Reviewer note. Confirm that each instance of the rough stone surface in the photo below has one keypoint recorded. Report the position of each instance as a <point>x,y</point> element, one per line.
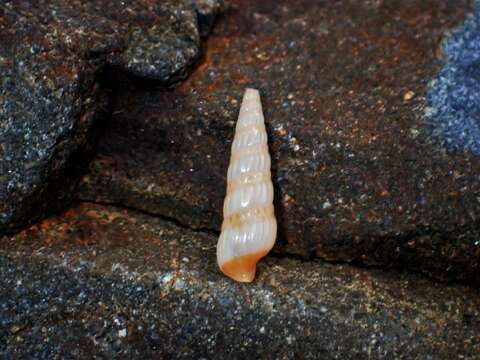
<point>454,95</point>
<point>51,57</point>
<point>104,282</point>
<point>358,176</point>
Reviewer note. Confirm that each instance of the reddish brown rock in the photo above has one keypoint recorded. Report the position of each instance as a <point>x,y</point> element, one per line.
<point>343,87</point>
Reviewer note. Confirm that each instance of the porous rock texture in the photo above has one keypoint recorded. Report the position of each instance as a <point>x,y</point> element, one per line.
<point>52,57</point>
<point>105,282</point>
<point>454,94</point>
<point>358,175</point>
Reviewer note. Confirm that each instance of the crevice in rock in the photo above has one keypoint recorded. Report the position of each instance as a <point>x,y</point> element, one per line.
<point>168,219</point>
<point>57,63</point>
<point>356,263</point>
<point>379,199</point>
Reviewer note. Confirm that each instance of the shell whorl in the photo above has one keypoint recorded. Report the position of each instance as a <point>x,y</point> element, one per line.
<point>249,227</point>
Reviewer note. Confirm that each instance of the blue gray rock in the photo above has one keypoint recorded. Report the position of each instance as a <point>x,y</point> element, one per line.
<point>454,95</point>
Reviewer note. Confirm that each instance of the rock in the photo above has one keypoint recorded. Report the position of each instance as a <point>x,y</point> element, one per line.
<point>165,49</point>
<point>49,101</point>
<point>151,160</point>
<point>52,92</point>
<point>207,11</point>
<point>454,94</point>
<point>359,176</point>
<point>105,282</point>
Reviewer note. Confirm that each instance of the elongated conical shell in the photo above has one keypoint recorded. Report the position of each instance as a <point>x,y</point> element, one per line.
<point>249,227</point>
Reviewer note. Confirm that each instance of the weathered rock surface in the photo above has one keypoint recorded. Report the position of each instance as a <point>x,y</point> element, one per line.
<point>102,281</point>
<point>358,175</point>
<point>51,54</point>
<point>454,95</point>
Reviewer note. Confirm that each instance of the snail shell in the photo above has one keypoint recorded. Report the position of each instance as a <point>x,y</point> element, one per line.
<point>249,227</point>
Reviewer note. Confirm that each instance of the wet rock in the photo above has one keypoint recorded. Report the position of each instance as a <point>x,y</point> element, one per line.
<point>358,175</point>
<point>52,57</point>
<point>105,282</point>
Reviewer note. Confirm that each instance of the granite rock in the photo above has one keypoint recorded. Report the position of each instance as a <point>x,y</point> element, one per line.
<point>358,175</point>
<point>105,282</point>
<point>53,92</point>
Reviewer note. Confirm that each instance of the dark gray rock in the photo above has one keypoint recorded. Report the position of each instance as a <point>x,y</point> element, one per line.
<point>207,11</point>
<point>49,100</point>
<point>164,51</point>
<point>52,57</point>
<point>105,282</point>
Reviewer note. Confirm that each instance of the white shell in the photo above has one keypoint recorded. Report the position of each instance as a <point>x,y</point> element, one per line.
<point>249,227</point>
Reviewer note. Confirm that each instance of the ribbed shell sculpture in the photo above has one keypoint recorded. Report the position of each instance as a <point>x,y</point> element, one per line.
<point>249,227</point>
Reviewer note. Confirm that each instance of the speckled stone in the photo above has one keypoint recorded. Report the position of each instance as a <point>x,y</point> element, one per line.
<point>52,90</point>
<point>105,282</point>
<point>358,176</point>
<point>454,95</point>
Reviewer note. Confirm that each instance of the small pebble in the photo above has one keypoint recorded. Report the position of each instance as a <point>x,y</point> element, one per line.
<point>409,95</point>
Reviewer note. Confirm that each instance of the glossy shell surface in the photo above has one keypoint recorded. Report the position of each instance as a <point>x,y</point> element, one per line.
<point>249,227</point>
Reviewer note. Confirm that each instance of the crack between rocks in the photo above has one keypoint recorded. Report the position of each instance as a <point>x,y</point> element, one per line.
<point>166,218</point>
<point>357,264</point>
<point>281,256</point>
<point>207,231</point>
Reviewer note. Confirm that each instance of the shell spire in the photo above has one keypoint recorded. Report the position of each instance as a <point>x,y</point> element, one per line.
<point>249,227</point>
